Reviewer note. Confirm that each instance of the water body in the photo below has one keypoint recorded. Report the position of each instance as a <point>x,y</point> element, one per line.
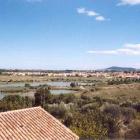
<point>18,84</point>
<point>31,94</point>
<point>62,91</point>
<point>1,95</point>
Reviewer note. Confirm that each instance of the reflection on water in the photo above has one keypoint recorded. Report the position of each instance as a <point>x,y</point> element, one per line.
<point>18,84</point>
<point>62,91</point>
<point>1,96</point>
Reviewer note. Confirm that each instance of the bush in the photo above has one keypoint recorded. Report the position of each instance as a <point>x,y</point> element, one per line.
<point>13,102</point>
<point>136,106</point>
<point>129,114</point>
<point>88,126</point>
<point>27,85</point>
<point>134,131</point>
<point>58,110</point>
<point>113,110</point>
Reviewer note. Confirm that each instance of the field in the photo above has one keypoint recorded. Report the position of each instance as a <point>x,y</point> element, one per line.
<point>119,92</point>
<point>15,78</point>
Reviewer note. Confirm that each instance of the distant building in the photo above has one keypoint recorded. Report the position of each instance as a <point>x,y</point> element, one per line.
<point>32,124</point>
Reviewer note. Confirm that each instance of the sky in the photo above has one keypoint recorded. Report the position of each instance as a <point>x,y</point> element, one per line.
<point>69,34</point>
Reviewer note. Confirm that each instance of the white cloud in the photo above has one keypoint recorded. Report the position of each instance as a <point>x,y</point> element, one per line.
<point>81,10</point>
<point>100,18</point>
<point>103,52</point>
<point>127,49</point>
<point>91,13</point>
<point>133,46</point>
<point>87,12</point>
<point>129,2</point>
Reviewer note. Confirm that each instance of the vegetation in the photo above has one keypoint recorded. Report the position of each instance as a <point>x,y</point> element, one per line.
<point>98,111</point>
<point>118,81</point>
<point>13,102</point>
<point>73,84</point>
<point>90,117</point>
<point>42,96</point>
<point>27,85</point>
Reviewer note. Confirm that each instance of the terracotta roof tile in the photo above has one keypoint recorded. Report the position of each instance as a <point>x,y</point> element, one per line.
<point>32,124</point>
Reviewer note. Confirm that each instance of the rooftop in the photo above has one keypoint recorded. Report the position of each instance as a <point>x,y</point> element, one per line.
<point>32,124</point>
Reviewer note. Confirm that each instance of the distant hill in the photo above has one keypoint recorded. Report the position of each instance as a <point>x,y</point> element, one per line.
<point>119,69</point>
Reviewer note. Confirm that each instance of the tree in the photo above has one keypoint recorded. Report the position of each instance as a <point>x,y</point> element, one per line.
<point>42,96</point>
<point>73,85</point>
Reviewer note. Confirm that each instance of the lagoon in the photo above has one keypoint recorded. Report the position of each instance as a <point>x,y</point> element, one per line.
<point>22,84</point>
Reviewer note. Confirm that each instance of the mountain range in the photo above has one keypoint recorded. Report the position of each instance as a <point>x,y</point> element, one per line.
<point>119,69</point>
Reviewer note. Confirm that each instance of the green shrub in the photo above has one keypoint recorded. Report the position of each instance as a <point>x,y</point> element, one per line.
<point>13,102</point>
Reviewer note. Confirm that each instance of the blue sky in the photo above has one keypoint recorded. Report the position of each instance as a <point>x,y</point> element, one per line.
<point>69,34</point>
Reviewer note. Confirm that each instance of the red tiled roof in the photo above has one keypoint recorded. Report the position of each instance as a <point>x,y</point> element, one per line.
<point>32,124</point>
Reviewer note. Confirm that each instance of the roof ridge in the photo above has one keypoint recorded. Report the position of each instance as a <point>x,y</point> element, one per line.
<point>19,110</point>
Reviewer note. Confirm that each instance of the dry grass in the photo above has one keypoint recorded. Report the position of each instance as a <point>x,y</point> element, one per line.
<point>120,92</point>
<point>6,78</point>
